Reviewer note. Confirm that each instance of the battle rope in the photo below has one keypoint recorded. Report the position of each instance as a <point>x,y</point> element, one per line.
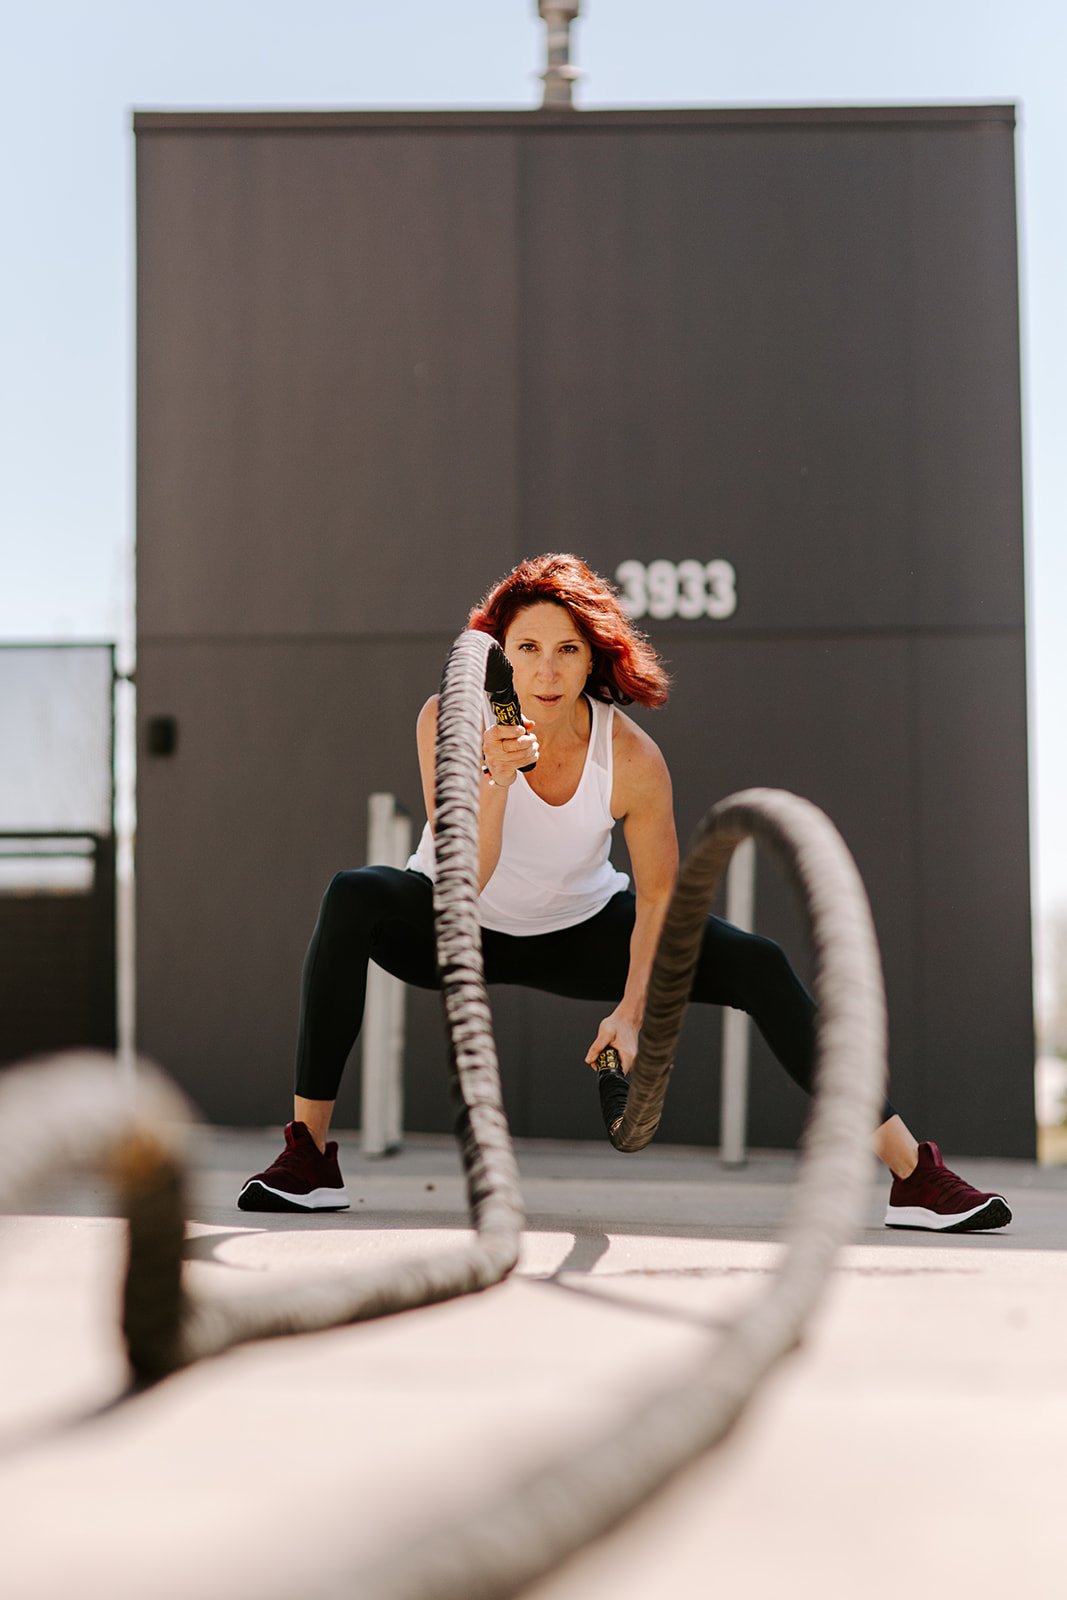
<point>528,1531</point>
<point>494,1200</point>
<point>823,874</point>
<point>137,1135</point>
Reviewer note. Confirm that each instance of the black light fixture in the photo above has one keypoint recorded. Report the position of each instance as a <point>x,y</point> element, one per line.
<point>161,736</point>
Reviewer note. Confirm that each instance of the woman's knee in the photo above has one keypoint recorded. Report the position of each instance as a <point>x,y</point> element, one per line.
<point>768,959</point>
<point>746,969</point>
<point>353,896</point>
<point>771,985</point>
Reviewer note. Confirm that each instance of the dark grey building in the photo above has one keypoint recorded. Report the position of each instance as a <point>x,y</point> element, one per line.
<point>763,366</point>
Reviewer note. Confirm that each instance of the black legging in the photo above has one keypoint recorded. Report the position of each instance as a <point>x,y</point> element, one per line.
<point>386,915</point>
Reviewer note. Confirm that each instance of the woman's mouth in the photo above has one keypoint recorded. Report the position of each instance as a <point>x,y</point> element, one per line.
<point>549,699</point>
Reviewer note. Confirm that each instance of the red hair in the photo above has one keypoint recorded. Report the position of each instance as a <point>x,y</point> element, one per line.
<point>626,667</point>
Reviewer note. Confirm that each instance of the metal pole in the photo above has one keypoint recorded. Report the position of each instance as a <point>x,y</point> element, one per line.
<point>733,1118</point>
<point>382,1111</point>
<point>559,76</point>
<point>124,721</point>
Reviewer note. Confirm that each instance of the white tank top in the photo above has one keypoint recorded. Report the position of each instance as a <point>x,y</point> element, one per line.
<point>554,868</point>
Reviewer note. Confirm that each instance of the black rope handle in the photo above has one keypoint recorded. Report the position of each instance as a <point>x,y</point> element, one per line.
<point>500,687</point>
<point>612,1087</point>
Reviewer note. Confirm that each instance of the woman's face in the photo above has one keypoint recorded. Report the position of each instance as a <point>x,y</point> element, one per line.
<point>549,659</point>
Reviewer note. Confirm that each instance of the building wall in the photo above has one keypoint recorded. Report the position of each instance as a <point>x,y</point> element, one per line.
<point>381,357</point>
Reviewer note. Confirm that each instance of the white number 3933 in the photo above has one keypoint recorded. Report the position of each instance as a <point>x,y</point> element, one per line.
<point>687,589</point>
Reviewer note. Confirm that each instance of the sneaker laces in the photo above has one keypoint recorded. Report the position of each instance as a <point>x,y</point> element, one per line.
<point>296,1155</point>
<point>950,1184</point>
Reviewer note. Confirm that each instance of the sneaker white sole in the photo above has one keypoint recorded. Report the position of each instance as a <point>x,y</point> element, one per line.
<point>992,1213</point>
<point>259,1196</point>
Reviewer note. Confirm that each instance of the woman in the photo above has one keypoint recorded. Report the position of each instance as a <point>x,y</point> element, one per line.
<point>555,914</point>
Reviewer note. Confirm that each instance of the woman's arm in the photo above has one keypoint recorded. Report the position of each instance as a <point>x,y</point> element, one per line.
<point>505,752</point>
<point>642,797</point>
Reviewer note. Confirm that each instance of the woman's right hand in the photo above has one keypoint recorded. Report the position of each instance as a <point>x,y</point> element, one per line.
<point>505,749</point>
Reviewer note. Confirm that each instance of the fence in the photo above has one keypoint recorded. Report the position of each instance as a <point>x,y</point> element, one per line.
<point>57,848</point>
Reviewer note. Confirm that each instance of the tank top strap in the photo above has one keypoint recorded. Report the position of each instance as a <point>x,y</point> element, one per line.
<point>603,723</point>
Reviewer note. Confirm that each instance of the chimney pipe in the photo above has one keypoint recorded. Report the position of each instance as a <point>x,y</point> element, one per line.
<point>559,76</point>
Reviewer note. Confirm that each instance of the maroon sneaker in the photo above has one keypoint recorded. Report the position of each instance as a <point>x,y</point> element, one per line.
<point>935,1198</point>
<point>302,1178</point>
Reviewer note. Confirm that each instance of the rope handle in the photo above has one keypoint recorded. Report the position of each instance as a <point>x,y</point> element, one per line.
<point>614,1087</point>
<point>500,687</point>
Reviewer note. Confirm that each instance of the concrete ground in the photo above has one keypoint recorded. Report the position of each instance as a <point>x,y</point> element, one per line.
<point>918,1438</point>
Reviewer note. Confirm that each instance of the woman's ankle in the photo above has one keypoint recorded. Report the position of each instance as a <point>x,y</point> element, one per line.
<point>315,1115</point>
<point>895,1145</point>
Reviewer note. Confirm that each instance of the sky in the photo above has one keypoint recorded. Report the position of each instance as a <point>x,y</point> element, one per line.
<point>74,70</point>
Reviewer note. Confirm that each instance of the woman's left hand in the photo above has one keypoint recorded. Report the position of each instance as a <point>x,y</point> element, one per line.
<point>619,1031</point>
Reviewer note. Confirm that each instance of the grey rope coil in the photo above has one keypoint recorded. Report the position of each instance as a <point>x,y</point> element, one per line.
<point>137,1133</point>
<point>550,1515</point>
<point>794,831</point>
<point>485,1140</point>
<point>495,1204</point>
